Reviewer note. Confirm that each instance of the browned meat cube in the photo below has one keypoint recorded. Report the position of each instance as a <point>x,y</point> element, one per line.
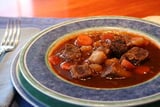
<point>114,68</point>
<point>109,62</point>
<point>102,46</point>
<point>120,71</point>
<point>80,71</point>
<point>71,53</point>
<point>96,68</point>
<point>136,55</point>
<point>118,46</point>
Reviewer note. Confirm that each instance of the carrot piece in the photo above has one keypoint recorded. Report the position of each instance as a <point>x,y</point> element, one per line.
<point>128,65</point>
<point>66,65</point>
<point>84,40</point>
<point>142,69</point>
<point>54,60</point>
<point>107,36</point>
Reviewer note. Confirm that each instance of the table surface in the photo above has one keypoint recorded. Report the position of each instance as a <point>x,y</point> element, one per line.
<point>78,8</point>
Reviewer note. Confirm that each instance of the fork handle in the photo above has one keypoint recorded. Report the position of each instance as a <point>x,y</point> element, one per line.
<point>2,52</point>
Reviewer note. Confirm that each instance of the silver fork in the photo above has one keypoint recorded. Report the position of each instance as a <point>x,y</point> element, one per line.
<point>11,36</point>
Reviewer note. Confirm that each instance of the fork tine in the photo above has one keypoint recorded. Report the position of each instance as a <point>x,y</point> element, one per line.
<point>12,33</point>
<point>15,33</point>
<point>11,37</point>
<point>3,42</point>
<point>18,22</point>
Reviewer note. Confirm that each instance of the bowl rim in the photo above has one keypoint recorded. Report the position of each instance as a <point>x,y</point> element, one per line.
<point>59,96</point>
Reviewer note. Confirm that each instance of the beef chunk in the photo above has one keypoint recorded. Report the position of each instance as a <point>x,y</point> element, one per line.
<point>115,69</point>
<point>96,68</point>
<point>111,61</point>
<point>109,68</point>
<point>118,46</point>
<point>80,71</point>
<point>71,53</point>
<point>136,55</point>
<point>102,46</point>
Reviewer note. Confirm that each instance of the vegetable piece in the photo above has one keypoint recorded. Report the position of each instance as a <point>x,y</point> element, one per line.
<point>84,40</point>
<point>142,69</point>
<point>127,64</point>
<point>139,41</point>
<point>66,65</point>
<point>97,57</point>
<point>54,60</point>
<point>107,36</point>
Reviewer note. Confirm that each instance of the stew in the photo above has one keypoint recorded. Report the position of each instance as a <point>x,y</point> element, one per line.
<point>107,58</point>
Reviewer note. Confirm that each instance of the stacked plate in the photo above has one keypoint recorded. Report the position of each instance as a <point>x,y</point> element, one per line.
<point>35,82</point>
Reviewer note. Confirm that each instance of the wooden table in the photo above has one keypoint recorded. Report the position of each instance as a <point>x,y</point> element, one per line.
<point>78,8</point>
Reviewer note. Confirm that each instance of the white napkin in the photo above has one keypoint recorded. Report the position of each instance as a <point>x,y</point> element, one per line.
<point>155,19</point>
<point>6,87</point>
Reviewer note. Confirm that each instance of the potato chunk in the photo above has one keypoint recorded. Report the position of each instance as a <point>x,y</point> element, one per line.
<point>97,57</point>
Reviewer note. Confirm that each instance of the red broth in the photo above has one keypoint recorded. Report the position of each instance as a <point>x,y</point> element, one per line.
<point>111,80</point>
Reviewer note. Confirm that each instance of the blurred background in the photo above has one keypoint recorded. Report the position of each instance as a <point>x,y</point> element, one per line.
<point>78,8</point>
